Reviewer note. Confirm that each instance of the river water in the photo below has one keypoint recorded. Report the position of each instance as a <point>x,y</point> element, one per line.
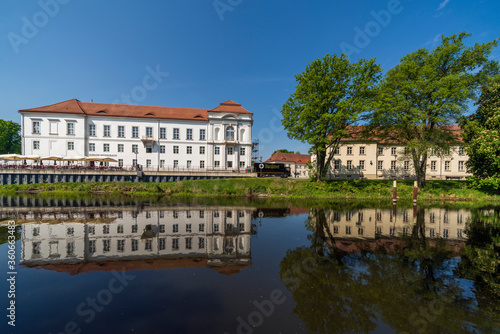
<point>140,266</point>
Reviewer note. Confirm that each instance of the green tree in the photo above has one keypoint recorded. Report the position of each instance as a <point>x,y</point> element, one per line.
<point>330,95</point>
<point>10,137</point>
<point>428,91</point>
<point>482,138</point>
<point>283,151</point>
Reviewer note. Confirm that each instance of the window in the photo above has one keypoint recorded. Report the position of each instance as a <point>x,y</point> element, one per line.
<point>189,164</point>
<point>216,228</point>
<point>162,148</point>
<point>149,148</point>
<point>216,214</point>
<point>162,163</point>
<point>406,165</point>
<point>121,245</point>
<point>202,134</point>
<point>336,151</point>
<point>121,131</point>
<point>380,165</point>
<point>162,244</point>
<point>36,127</point>
<point>229,164</point>
<point>349,164</point>
<point>337,165</point>
<point>135,245</point>
<point>189,134</point>
<point>460,165</point>
<point>92,130</point>
<point>202,163</point>
<point>393,151</point>
<point>106,147</point>
<point>135,148</point>
<point>229,133</point>
<point>121,148</point>
<point>461,150</point>
<point>36,144</point>
<point>148,163</point>
<point>175,228</point>
<point>349,150</point>
<point>242,151</point>
<point>134,162</point>
<point>433,165</point>
<point>362,150</point>
<point>70,248</point>
<point>176,133</point>
<point>242,164</point>
<point>120,162</point>
<point>119,229</point>
<point>163,133</point>
<point>202,214</point>
<point>176,149</point>
<point>107,131</point>
<point>175,244</point>
<point>70,128</point>
<point>361,164</point>
<point>70,231</point>
<point>217,150</point>
<point>217,164</point>
<point>135,132</point>
<point>201,243</point>
<point>91,246</point>
<point>347,230</point>
<point>91,147</point>
<point>380,151</point>
<point>149,131</point>
<point>91,229</point>
<point>189,228</point>
<point>188,243</point>
<point>135,228</point>
<point>71,146</point>
<point>433,151</point>
<point>201,227</point>
<point>189,150</point>
<point>393,165</point>
<point>447,166</point>
<point>229,151</point>
<point>202,149</point>
<point>176,163</point>
<point>105,229</point>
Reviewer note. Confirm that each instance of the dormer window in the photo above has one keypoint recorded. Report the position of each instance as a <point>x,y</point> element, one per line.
<point>229,133</point>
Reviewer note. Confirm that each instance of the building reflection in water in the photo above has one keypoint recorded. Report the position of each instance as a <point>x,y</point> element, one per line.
<point>173,237</point>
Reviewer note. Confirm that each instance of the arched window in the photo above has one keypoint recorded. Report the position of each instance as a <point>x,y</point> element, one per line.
<point>230,133</point>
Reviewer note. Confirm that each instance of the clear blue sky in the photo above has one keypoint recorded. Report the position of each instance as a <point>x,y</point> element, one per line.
<point>246,50</point>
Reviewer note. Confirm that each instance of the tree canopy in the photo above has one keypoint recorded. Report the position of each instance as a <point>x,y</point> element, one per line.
<point>330,95</point>
<point>10,137</point>
<point>482,138</point>
<point>428,91</point>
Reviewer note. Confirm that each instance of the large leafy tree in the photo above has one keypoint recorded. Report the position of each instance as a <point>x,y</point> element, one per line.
<point>482,138</point>
<point>330,95</point>
<point>427,92</point>
<point>10,137</point>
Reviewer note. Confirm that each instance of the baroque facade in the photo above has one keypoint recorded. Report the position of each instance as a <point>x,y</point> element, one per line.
<point>158,138</point>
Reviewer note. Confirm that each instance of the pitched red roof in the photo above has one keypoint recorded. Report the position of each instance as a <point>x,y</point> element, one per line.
<point>232,107</point>
<point>356,134</point>
<point>289,157</point>
<point>77,107</point>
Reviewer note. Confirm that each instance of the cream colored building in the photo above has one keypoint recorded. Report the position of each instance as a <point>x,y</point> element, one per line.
<point>376,159</point>
<point>296,162</point>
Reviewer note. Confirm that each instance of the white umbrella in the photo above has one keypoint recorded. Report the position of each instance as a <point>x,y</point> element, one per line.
<point>34,157</point>
<point>53,157</point>
<point>77,158</point>
<point>101,159</point>
<point>14,157</point>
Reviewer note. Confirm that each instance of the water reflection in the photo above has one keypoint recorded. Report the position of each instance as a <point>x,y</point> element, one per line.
<point>126,240</point>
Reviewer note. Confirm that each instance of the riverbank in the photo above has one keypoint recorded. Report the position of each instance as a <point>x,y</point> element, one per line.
<point>269,188</point>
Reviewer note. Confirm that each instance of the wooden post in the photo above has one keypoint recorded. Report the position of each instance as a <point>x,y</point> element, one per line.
<point>415,192</point>
<point>394,192</point>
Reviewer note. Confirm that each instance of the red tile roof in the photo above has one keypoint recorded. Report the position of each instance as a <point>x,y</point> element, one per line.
<point>356,134</point>
<point>289,157</point>
<point>126,110</point>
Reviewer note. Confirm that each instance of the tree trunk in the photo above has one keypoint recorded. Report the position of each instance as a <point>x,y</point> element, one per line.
<point>420,164</point>
<point>320,164</point>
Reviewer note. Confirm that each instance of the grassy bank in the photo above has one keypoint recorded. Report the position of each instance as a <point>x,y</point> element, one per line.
<point>269,188</point>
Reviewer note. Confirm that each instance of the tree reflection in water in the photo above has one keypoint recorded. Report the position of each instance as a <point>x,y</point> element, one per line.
<point>411,288</point>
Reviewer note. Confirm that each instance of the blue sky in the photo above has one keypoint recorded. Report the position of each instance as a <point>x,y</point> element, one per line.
<point>206,52</point>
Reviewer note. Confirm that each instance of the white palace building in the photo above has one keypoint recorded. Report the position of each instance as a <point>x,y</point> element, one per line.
<point>157,138</point>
